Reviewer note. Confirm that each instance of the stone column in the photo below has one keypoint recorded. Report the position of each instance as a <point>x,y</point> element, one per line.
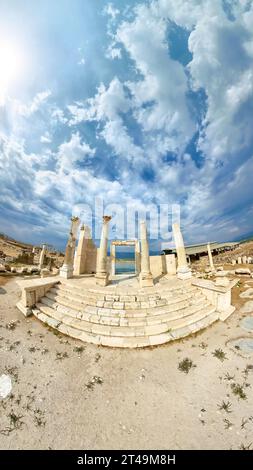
<point>81,252</point>
<point>67,269</point>
<point>183,270</point>
<point>137,257</point>
<point>42,256</point>
<point>146,278</point>
<point>113,260</point>
<point>102,274</point>
<point>210,256</point>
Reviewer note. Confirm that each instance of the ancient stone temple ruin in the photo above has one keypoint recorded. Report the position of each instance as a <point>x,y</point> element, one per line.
<point>160,302</point>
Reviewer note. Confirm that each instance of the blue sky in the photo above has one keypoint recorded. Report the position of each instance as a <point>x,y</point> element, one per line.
<point>135,102</point>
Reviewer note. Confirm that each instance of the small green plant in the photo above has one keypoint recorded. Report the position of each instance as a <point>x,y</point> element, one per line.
<point>97,357</point>
<point>39,417</point>
<point>186,365</point>
<point>228,423</point>
<point>11,325</point>
<point>238,391</point>
<point>15,421</point>
<point>244,422</point>
<point>228,377</point>
<point>79,349</point>
<point>44,351</point>
<point>95,380</point>
<point>203,345</point>
<point>248,368</point>
<point>219,354</point>
<point>226,406</point>
<point>60,355</point>
<point>245,446</point>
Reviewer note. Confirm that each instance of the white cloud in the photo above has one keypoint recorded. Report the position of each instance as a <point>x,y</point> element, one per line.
<point>38,101</point>
<point>111,11</point>
<point>113,52</point>
<point>73,152</point>
<point>46,138</point>
<point>160,97</point>
<point>107,107</point>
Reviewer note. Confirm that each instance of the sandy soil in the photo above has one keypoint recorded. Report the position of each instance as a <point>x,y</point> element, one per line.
<point>67,394</point>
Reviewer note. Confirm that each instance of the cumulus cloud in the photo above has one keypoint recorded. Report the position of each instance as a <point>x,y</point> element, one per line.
<point>73,152</point>
<point>38,101</point>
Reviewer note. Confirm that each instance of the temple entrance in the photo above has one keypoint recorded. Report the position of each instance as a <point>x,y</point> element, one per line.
<point>126,260</point>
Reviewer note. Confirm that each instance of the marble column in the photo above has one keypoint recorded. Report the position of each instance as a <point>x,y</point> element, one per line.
<point>137,258</point>
<point>67,269</point>
<point>113,260</point>
<point>210,257</point>
<point>42,256</point>
<point>81,252</point>
<point>146,278</point>
<point>102,275</point>
<point>183,270</point>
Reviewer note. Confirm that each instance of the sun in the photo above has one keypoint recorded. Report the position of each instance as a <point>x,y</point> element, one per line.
<point>11,66</point>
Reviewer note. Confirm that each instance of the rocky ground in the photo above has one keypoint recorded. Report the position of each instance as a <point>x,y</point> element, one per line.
<point>224,259</point>
<point>191,394</point>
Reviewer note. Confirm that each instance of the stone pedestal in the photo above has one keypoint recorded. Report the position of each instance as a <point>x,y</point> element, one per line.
<point>183,270</point>
<point>67,269</point>
<point>171,269</point>
<point>145,277</point>
<point>218,295</point>
<point>102,275</point>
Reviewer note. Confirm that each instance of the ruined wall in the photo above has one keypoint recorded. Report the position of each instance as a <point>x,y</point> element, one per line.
<point>158,265</point>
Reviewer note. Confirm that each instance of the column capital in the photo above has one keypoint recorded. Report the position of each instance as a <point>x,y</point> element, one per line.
<point>106,219</point>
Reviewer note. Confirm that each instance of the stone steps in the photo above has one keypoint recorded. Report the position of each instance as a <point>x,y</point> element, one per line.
<point>151,294</point>
<point>150,337</point>
<point>152,317</point>
<point>122,319</point>
<point>177,304</point>
<point>125,330</point>
<point>81,301</point>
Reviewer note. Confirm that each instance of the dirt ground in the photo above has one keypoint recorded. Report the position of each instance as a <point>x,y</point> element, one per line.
<point>71,395</point>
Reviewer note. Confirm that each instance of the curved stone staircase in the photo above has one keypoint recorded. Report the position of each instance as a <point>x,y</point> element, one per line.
<point>130,319</point>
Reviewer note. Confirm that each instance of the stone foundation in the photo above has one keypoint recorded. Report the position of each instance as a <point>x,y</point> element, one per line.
<point>32,291</point>
<point>218,295</point>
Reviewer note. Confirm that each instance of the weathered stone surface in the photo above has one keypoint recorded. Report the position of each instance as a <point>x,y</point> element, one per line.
<point>5,386</point>
<point>247,307</point>
<point>247,323</point>
<point>248,294</point>
<point>243,345</point>
<point>243,271</point>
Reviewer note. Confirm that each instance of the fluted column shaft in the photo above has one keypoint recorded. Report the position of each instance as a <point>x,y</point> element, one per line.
<point>145,261</point>
<point>183,270</point>
<point>42,256</point>
<point>210,256</point>
<point>146,278</point>
<point>68,265</point>
<point>102,275</point>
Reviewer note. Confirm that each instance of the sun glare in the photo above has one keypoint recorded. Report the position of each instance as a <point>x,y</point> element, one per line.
<point>11,66</point>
